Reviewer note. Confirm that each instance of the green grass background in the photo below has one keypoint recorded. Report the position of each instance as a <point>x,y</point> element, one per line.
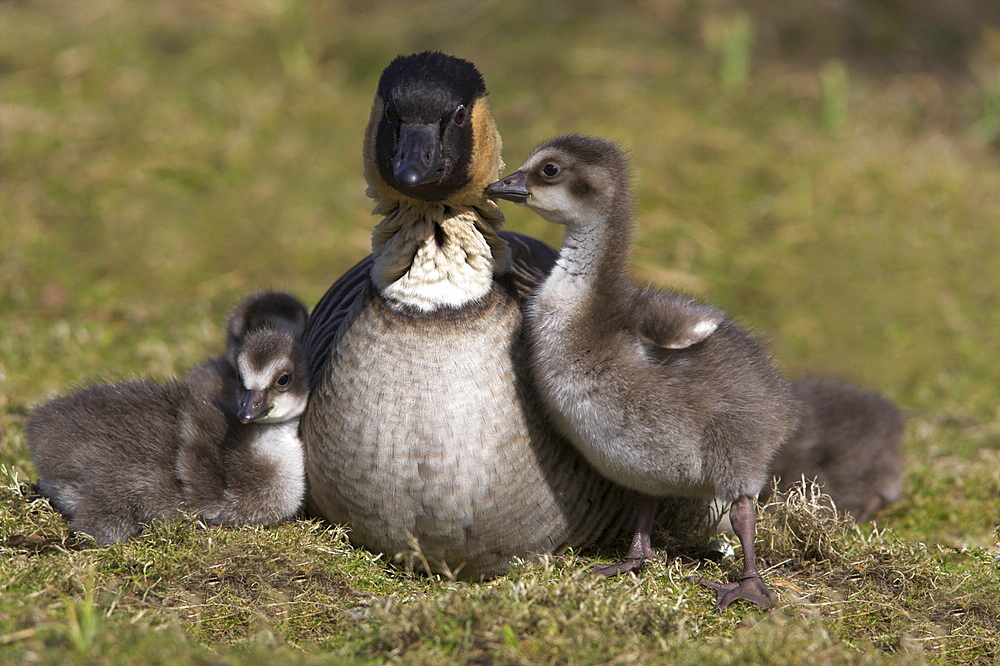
<point>827,172</point>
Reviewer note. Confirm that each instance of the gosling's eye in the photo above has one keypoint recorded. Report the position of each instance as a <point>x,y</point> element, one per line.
<point>461,113</point>
<point>550,170</point>
<point>283,380</point>
<point>391,113</point>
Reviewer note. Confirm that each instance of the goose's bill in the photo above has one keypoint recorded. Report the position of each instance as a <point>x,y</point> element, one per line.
<point>512,188</point>
<point>253,405</point>
<point>418,158</point>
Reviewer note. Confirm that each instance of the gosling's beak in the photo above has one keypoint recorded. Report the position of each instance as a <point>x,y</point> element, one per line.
<point>253,405</point>
<point>418,158</point>
<point>512,188</point>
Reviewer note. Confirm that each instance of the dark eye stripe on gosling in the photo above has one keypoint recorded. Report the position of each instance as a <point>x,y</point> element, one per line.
<point>661,394</point>
<point>421,425</point>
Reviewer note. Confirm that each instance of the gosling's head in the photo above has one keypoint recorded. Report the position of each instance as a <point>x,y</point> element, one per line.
<point>571,180</point>
<point>265,309</point>
<point>431,136</point>
<point>274,377</point>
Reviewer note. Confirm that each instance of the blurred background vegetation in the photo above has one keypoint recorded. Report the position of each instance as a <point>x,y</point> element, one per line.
<point>827,171</point>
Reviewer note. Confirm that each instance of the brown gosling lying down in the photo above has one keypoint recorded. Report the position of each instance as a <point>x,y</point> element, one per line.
<point>660,394</point>
<point>115,457</point>
<point>849,441</point>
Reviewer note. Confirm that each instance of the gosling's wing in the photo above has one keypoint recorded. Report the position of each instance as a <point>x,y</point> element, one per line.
<point>330,313</point>
<point>674,321</point>
<point>531,261</point>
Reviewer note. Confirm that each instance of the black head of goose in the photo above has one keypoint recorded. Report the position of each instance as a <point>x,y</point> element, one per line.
<point>115,457</point>
<point>422,430</point>
<point>661,394</point>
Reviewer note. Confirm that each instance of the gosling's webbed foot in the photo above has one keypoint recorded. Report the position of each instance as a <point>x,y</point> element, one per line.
<point>641,549</point>
<point>626,565</point>
<point>743,515</point>
<point>751,588</point>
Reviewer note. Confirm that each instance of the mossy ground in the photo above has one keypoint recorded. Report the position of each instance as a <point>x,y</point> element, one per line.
<point>828,174</point>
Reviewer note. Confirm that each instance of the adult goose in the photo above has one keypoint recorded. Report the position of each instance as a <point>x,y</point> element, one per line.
<point>423,433</point>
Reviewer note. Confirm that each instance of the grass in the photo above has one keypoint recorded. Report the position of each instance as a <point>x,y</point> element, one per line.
<point>834,183</point>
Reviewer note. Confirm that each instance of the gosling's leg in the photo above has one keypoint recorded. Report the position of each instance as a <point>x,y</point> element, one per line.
<point>751,586</point>
<point>641,548</point>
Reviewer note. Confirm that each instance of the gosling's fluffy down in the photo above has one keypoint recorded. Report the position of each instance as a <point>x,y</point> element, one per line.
<point>661,394</point>
<point>849,441</point>
<point>116,457</point>
<point>275,310</point>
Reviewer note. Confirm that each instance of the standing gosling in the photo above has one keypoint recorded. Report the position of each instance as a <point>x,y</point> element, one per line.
<point>661,394</point>
<point>113,458</point>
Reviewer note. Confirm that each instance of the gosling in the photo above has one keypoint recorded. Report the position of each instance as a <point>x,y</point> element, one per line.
<point>849,441</point>
<point>661,394</point>
<point>114,458</point>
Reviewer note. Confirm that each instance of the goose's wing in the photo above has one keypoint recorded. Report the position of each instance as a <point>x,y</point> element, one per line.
<point>328,315</point>
<point>531,261</point>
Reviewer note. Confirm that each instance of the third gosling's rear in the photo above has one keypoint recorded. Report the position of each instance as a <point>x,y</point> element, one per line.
<point>849,441</point>
<point>661,394</point>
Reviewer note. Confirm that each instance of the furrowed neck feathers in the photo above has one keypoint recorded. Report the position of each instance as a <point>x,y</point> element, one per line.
<point>596,249</point>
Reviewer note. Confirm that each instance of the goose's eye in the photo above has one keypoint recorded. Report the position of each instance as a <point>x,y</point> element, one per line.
<point>283,380</point>
<point>391,113</point>
<point>460,114</point>
<point>550,170</point>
